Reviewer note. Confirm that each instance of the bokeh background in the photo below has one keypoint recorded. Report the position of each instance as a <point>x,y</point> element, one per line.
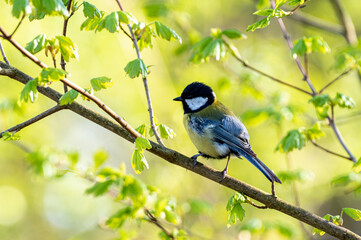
<point>55,209</point>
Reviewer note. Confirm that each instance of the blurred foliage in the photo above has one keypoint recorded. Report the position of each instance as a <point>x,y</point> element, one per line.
<point>276,117</point>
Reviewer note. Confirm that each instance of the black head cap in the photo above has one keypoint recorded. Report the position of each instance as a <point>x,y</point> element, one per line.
<point>193,91</point>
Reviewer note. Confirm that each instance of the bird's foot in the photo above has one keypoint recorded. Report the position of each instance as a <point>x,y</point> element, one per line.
<point>224,173</point>
<point>194,158</point>
<point>273,189</point>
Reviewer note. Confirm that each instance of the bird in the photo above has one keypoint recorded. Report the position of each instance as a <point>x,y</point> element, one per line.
<point>215,130</point>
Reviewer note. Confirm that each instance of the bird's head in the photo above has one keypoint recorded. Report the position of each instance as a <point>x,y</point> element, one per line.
<point>195,97</point>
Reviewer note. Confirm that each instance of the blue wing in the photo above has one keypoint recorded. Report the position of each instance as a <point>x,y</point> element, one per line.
<point>232,132</point>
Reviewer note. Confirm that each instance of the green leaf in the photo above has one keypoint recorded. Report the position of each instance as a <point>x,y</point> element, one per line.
<point>90,10</point>
<point>125,17</point>
<point>294,139</point>
<point>49,75</point>
<point>166,33</point>
<point>319,45</point>
<point>68,48</point>
<point>296,175</point>
<point>142,129</point>
<point>8,136</point>
<point>99,83</point>
<point>20,6</point>
<point>138,161</point>
<point>318,232</point>
<point>118,219</point>
<point>320,100</point>
<point>142,143</point>
<point>343,101</point>
<point>346,179</point>
<point>133,189</point>
<point>357,166</point>
<point>37,44</point>
<point>166,132</point>
<point>264,12</point>
<point>300,47</point>
<point>99,188</point>
<point>110,23</point>
<point>68,97</point>
<point>51,7</point>
<point>30,91</point>
<point>99,158</point>
<point>309,45</point>
<point>235,209</point>
<point>233,34</point>
<point>156,9</point>
<point>314,133</point>
<point>136,67</point>
<point>91,24</point>
<point>355,214</point>
<point>260,24</point>
<point>296,2</point>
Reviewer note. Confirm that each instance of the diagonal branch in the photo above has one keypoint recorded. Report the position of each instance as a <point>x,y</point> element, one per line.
<point>179,159</point>
<point>34,119</point>
<point>329,151</point>
<point>17,27</point>
<point>93,98</point>
<point>145,83</point>
<point>334,80</point>
<point>155,221</point>
<point>3,54</point>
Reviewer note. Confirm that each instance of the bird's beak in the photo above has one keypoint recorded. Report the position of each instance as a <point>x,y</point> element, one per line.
<point>177,99</point>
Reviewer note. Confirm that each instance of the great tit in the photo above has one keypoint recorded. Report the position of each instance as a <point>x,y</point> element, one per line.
<point>215,130</point>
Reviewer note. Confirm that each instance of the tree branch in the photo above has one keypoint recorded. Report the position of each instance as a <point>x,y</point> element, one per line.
<point>246,65</point>
<point>34,119</point>
<point>345,18</point>
<point>3,54</point>
<point>93,98</point>
<point>179,159</point>
<point>329,151</point>
<point>155,221</point>
<point>334,80</point>
<point>317,22</point>
<point>145,83</point>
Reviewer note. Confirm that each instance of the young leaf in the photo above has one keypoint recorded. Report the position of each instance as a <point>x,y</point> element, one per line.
<point>233,33</point>
<point>319,45</point>
<point>48,75</point>
<point>314,133</point>
<point>51,7</point>
<point>166,132</point>
<point>37,44</point>
<point>320,100</point>
<point>101,83</point>
<point>300,47</point>
<point>91,24</point>
<point>30,91</point>
<point>296,2</point>
<point>355,214</point>
<point>99,188</point>
<point>68,48</point>
<point>142,129</point>
<point>357,166</point>
<point>296,175</point>
<point>294,139</point>
<point>235,209</point>
<point>8,136</point>
<point>68,97</point>
<point>20,6</point>
<point>260,24</point>
<point>90,10</point>
<point>343,101</point>
<point>142,143</point>
<point>138,161</point>
<point>110,22</point>
<point>165,32</point>
<point>99,158</point>
<point>136,67</point>
<point>309,45</point>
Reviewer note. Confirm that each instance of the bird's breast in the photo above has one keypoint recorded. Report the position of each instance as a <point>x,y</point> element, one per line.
<point>200,133</point>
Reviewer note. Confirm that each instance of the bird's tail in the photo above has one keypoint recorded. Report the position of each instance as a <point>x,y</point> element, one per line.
<point>262,167</point>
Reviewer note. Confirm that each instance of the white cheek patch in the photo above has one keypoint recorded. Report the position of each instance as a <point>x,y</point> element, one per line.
<point>196,103</point>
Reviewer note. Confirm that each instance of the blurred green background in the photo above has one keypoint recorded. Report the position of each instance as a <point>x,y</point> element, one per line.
<point>34,208</point>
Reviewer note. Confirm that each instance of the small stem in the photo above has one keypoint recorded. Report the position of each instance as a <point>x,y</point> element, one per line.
<point>54,60</point>
<point>329,151</point>
<point>340,139</point>
<point>34,119</point>
<point>125,32</point>
<point>255,205</point>
<point>155,221</point>
<point>3,54</point>
<point>145,83</point>
<point>334,80</point>
<point>21,20</point>
<point>306,63</point>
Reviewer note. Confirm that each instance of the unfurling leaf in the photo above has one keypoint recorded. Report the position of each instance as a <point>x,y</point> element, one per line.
<point>8,136</point>
<point>260,24</point>
<point>166,132</point>
<point>90,10</point>
<point>37,44</point>
<point>294,139</point>
<point>138,161</point>
<point>233,34</point>
<point>142,129</point>
<point>355,214</point>
<point>309,45</point>
<point>142,143</point>
<point>235,209</point>
<point>48,75</point>
<point>68,49</point>
<point>68,97</point>
<point>320,100</point>
<point>30,91</point>
<point>344,101</point>
<point>101,83</point>
<point>136,67</point>
<point>20,6</point>
<point>110,22</point>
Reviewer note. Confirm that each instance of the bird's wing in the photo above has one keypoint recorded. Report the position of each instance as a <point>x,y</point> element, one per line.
<point>233,133</point>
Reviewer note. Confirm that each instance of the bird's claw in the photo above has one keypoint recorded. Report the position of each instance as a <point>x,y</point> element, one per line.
<point>194,158</point>
<point>224,173</point>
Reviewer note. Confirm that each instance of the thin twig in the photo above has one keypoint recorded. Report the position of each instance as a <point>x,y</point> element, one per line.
<point>65,27</point>
<point>145,83</point>
<point>54,60</point>
<point>155,221</point>
<point>255,205</point>
<point>3,54</point>
<point>17,27</point>
<point>329,151</point>
<point>334,80</point>
<point>93,98</point>
<point>345,18</point>
<point>33,120</point>
<point>317,22</point>
<point>125,32</point>
<point>246,65</point>
<point>179,159</point>
<point>295,57</point>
